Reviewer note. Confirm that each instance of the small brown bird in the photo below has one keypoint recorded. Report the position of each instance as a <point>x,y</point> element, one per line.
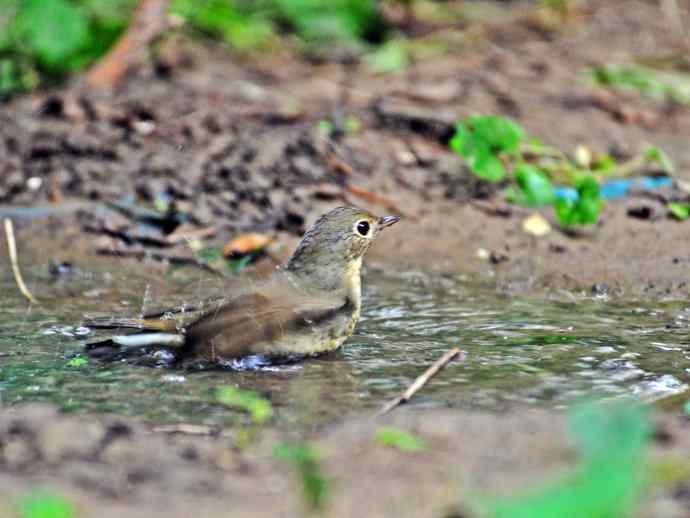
<point>309,306</point>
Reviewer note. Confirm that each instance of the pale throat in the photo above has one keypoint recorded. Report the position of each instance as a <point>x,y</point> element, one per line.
<point>353,282</point>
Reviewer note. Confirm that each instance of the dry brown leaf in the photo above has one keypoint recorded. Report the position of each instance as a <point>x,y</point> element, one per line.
<point>245,244</point>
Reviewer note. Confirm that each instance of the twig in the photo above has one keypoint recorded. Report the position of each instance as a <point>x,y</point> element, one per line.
<point>192,429</point>
<point>421,381</point>
<point>12,248</point>
<point>148,22</point>
<point>375,199</point>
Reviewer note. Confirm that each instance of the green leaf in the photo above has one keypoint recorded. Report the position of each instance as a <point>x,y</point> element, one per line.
<point>352,125</point>
<point>660,85</point>
<point>210,255</point>
<point>339,20</point>
<point>259,408</point>
<point>686,408</point>
<point>584,211</point>
<point>77,361</point>
<point>46,506</point>
<point>400,439</point>
<point>242,29</point>
<point>390,57</point>
<point>481,141</point>
<point>53,29</point>
<point>654,154</point>
<point>604,164</point>
<point>487,167</point>
<point>536,187</point>
<point>499,133</point>
<point>610,479</point>
<point>680,211</point>
<point>315,485</point>
<point>237,265</point>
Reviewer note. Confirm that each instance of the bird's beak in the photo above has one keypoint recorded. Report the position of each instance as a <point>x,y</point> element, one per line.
<point>387,221</point>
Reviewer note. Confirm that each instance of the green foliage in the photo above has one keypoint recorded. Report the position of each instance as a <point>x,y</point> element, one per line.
<point>52,38</point>
<point>330,20</point>
<point>46,506</point>
<point>647,81</point>
<point>213,256</point>
<point>536,188</point>
<point>234,22</point>
<point>609,481</point>
<point>680,211</point>
<point>389,57</point>
<point>259,408</point>
<point>77,361</point>
<point>586,209</point>
<point>52,30</point>
<point>399,439</point>
<point>497,149</point>
<point>16,76</point>
<point>482,140</point>
<point>248,24</point>
<point>654,154</point>
<point>315,486</point>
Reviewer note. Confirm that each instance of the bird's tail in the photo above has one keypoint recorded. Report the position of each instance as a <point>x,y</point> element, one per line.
<point>148,333</point>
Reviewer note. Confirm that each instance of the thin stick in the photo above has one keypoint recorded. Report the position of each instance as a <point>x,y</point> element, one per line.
<point>192,429</point>
<point>421,381</point>
<point>12,248</point>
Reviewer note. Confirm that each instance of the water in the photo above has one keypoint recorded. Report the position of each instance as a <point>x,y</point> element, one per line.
<point>520,350</point>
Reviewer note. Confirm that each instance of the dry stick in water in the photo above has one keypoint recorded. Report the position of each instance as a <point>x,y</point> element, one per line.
<point>421,381</point>
<point>12,248</point>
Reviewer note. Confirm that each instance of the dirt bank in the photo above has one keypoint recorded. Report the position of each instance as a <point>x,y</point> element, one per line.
<point>230,146</point>
<point>111,465</point>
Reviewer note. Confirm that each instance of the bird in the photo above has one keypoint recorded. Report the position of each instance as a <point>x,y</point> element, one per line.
<point>308,307</point>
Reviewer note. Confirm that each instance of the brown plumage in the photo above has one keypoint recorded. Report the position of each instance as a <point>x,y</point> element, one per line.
<point>308,307</point>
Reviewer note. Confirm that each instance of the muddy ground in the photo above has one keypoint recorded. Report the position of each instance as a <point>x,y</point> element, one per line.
<point>233,145</point>
<point>114,466</point>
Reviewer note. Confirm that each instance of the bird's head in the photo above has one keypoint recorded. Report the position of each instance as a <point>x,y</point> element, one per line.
<point>335,245</point>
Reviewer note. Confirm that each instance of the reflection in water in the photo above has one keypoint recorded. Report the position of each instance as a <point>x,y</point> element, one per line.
<point>520,350</point>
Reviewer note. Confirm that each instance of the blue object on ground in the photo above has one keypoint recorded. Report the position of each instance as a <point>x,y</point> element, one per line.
<point>618,188</point>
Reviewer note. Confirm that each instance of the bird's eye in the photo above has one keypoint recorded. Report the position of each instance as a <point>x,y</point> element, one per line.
<point>363,228</point>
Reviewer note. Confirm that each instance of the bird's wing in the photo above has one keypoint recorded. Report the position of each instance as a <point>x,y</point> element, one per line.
<point>168,320</point>
<point>262,315</point>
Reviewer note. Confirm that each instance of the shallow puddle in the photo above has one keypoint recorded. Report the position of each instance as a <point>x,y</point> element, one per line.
<point>520,350</point>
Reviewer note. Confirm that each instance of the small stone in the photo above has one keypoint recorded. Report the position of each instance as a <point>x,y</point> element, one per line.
<point>536,225</point>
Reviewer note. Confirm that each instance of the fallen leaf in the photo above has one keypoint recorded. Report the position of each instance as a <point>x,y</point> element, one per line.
<point>245,244</point>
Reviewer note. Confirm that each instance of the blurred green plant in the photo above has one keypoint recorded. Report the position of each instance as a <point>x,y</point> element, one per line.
<point>315,486</point>
<point>679,211</point>
<point>482,141</point>
<point>236,23</point>
<point>248,24</point>
<point>584,210</point>
<point>662,86</point>
<point>259,408</point>
<point>612,441</point>
<point>51,38</point>
<point>213,256</point>
<point>318,21</point>
<point>77,361</point>
<point>497,149</point>
<point>46,505</point>
<point>48,39</point>
<point>399,439</point>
